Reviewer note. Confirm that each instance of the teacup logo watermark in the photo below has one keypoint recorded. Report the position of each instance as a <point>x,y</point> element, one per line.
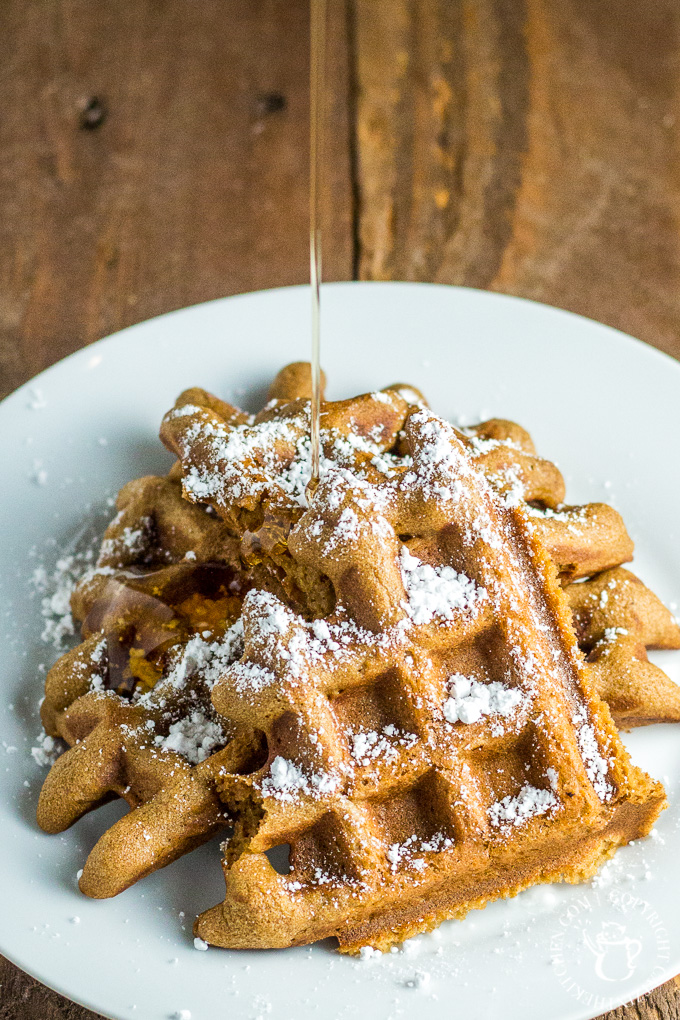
<point>615,952</point>
<point>604,939</point>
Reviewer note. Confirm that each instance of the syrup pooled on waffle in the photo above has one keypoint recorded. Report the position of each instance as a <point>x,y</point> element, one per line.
<point>434,742</point>
<point>254,471</point>
<point>161,620</point>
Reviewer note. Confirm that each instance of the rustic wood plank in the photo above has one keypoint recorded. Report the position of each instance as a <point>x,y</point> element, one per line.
<point>527,146</point>
<point>21,998</point>
<point>189,179</point>
<point>661,1004</point>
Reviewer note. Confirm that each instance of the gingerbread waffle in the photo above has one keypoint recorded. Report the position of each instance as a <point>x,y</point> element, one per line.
<point>617,619</point>
<point>153,529</point>
<point>433,744</point>
<point>253,472</point>
<point>139,620</point>
<point>160,619</point>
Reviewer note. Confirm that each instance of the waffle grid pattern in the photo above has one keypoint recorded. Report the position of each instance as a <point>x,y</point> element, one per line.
<point>382,849</point>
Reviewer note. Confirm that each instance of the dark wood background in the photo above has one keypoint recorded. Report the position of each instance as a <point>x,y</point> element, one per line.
<point>153,153</point>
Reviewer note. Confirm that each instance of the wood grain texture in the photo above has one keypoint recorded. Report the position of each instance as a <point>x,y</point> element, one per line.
<point>193,185</point>
<point>22,998</point>
<point>153,153</point>
<point>661,1004</point>
<point>526,146</point>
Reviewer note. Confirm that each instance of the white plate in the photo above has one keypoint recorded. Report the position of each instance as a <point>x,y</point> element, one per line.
<point>606,407</point>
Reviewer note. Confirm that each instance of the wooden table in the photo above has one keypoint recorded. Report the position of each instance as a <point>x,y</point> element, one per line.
<point>153,153</point>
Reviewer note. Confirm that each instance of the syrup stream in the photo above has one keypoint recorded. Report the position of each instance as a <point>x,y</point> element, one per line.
<point>316,137</point>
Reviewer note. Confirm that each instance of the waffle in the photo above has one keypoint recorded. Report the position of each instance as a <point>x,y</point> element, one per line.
<point>160,621</point>
<point>253,473</point>
<point>616,619</point>
<point>433,744</point>
<point>153,529</point>
<point>149,612</point>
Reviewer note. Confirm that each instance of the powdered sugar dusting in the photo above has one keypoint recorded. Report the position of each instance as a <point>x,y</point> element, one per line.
<point>286,780</point>
<point>203,655</point>
<point>406,853</point>
<point>596,765</point>
<point>530,802</point>
<point>369,745</point>
<point>272,457</point>
<point>195,737</point>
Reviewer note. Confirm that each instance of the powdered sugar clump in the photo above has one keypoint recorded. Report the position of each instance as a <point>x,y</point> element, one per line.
<point>286,780</point>
<point>46,750</point>
<point>470,700</point>
<point>437,591</point>
<point>368,953</point>
<point>195,737</point>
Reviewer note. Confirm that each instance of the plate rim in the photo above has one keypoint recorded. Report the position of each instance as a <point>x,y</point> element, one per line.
<point>331,286</point>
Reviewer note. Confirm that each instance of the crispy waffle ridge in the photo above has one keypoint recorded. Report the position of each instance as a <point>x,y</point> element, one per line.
<point>161,620</point>
<point>616,619</point>
<point>435,743</point>
<point>253,471</point>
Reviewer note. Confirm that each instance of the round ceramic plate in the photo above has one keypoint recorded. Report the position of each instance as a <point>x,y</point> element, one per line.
<point>604,406</point>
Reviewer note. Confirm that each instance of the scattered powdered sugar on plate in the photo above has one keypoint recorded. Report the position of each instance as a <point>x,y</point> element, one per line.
<point>38,474</point>
<point>56,588</point>
<point>36,399</point>
<point>57,572</point>
<point>53,579</point>
<point>420,980</point>
<point>47,750</point>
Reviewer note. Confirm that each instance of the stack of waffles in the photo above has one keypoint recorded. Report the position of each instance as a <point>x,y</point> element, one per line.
<point>410,674</point>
